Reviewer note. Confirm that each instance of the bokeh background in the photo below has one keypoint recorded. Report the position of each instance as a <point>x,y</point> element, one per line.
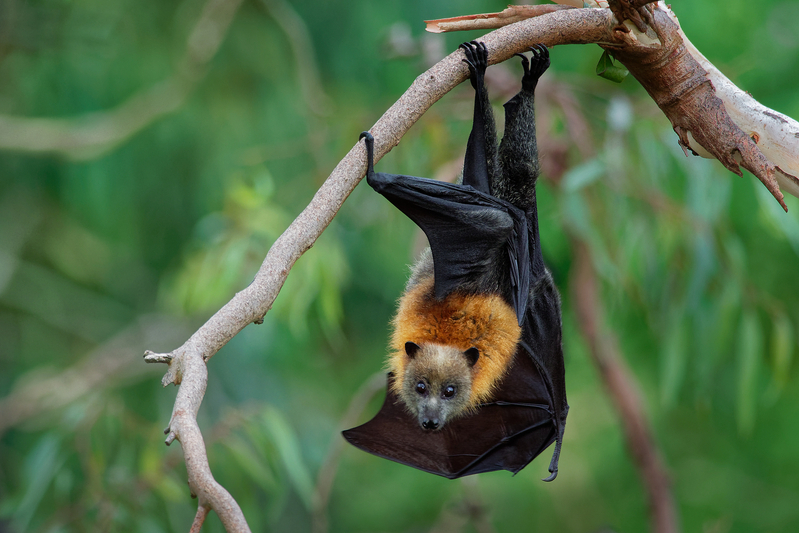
<point>151,152</point>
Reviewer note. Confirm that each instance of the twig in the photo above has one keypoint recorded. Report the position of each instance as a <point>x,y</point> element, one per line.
<point>490,21</point>
<point>327,474</point>
<point>105,366</point>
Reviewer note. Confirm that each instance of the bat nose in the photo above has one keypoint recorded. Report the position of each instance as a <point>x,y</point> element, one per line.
<point>429,423</point>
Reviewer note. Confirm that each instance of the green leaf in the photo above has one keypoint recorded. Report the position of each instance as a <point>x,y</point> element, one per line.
<point>674,357</point>
<point>749,347</point>
<point>288,448</point>
<point>608,69</point>
<point>582,175</point>
<point>782,342</point>
<point>40,467</point>
<point>252,463</point>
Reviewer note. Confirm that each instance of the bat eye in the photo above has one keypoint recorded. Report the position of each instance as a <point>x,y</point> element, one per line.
<point>421,388</point>
<point>449,391</point>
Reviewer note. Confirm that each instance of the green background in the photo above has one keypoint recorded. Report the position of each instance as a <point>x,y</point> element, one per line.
<point>132,247</point>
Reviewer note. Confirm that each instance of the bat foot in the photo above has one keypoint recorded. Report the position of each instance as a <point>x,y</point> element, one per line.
<point>370,153</point>
<point>535,67</point>
<point>477,59</point>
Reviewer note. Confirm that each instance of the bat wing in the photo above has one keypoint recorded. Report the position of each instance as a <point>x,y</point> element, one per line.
<point>505,434</point>
<point>467,230</point>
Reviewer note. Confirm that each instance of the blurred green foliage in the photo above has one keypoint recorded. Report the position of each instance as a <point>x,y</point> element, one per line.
<point>103,257</point>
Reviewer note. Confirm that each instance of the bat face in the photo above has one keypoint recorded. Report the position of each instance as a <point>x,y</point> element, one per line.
<point>437,383</point>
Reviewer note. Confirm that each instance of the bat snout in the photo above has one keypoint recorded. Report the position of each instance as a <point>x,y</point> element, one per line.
<point>430,424</point>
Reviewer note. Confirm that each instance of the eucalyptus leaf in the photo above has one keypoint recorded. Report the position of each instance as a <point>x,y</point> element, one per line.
<point>749,353</point>
<point>608,69</point>
<point>782,345</point>
<point>583,175</point>
<point>288,448</point>
<point>674,357</point>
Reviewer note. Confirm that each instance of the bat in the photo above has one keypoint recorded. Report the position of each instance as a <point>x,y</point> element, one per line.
<point>476,379</point>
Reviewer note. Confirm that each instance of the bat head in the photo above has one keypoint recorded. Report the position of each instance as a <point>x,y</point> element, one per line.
<point>437,382</point>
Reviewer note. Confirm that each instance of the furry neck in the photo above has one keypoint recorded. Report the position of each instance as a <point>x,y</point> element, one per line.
<point>483,321</point>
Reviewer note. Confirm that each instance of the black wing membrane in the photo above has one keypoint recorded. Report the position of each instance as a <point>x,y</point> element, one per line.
<point>505,434</point>
<point>467,230</point>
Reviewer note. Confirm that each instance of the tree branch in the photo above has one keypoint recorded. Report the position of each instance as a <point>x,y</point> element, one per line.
<point>621,388</point>
<point>603,346</point>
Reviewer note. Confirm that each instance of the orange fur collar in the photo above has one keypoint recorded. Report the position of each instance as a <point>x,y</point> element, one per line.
<point>485,322</point>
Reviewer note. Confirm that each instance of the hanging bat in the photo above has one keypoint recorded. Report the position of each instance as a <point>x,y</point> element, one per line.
<point>476,379</point>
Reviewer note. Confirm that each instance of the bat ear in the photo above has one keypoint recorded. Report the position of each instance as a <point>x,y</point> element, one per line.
<point>411,348</point>
<point>472,354</point>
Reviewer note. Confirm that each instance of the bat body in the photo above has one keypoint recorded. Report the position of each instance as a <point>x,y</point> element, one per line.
<point>476,378</point>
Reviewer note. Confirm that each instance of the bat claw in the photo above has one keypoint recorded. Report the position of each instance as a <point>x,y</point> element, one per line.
<point>525,63</point>
<point>551,477</point>
<point>370,153</point>
<point>477,59</point>
<point>538,64</point>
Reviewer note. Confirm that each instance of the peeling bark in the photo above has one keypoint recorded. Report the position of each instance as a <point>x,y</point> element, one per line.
<point>683,91</point>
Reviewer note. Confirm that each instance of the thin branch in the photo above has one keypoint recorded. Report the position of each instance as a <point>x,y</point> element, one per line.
<point>105,366</point>
<point>609,361</point>
<point>620,384</point>
<point>94,134</point>
<point>327,473</point>
<point>251,304</point>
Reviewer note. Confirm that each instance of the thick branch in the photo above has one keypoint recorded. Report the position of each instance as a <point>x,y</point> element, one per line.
<point>681,88</point>
<point>775,134</point>
<point>711,116</point>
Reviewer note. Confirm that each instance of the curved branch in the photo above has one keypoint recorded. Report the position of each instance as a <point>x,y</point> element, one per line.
<point>252,303</point>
